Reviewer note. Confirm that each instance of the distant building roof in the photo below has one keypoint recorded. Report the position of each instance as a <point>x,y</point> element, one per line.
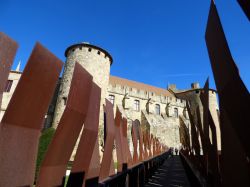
<point>14,71</point>
<point>113,80</point>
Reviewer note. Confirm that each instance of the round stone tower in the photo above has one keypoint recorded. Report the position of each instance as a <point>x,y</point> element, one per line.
<point>96,61</point>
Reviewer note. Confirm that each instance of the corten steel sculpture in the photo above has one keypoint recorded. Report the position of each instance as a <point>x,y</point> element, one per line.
<point>227,79</point>
<point>87,142</point>
<point>8,48</point>
<point>207,164</point>
<point>137,170</point>
<point>235,122</point>
<point>135,138</point>
<point>145,145</point>
<point>150,145</point>
<point>212,151</point>
<point>92,176</point>
<point>109,142</point>
<point>184,134</point>
<point>22,123</point>
<point>120,150</point>
<point>141,149</point>
<point>124,130</point>
<point>204,97</point>
<point>245,5</point>
<point>196,132</point>
<point>54,165</point>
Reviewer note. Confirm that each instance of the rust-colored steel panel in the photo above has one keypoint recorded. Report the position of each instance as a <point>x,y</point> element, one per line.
<point>147,140</point>
<point>88,139</point>
<point>195,140</point>
<point>153,145</point>
<point>213,153</point>
<point>94,168</point>
<point>8,48</point>
<point>135,138</point>
<point>234,166</point>
<point>24,117</point>
<point>120,153</point>
<point>194,135</point>
<point>28,96</point>
<point>245,5</point>
<point>204,97</point>
<point>124,128</point>
<point>141,149</point>
<point>109,142</point>
<point>145,144</point>
<point>185,137</point>
<point>199,126</point>
<point>227,79</point>
<point>54,165</point>
<point>212,144</point>
<point>150,144</point>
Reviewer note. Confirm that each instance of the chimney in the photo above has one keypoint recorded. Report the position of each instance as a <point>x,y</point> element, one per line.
<point>195,85</point>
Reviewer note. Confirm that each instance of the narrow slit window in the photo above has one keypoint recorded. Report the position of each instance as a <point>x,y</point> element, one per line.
<point>8,85</point>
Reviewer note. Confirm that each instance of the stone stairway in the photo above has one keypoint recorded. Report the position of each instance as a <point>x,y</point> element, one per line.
<point>170,174</point>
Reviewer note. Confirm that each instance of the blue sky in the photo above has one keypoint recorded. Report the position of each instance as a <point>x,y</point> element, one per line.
<point>152,41</point>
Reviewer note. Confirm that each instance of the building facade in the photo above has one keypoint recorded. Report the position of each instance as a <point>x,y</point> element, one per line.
<point>157,109</point>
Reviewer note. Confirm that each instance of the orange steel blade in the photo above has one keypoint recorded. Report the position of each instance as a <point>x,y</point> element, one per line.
<point>141,149</point>
<point>88,139</point>
<point>92,177</point>
<point>8,48</point>
<point>135,139</point>
<point>145,145</point>
<point>128,156</point>
<point>227,79</point>
<point>121,159</point>
<point>24,117</point>
<point>109,142</point>
<point>234,116</point>
<point>54,165</point>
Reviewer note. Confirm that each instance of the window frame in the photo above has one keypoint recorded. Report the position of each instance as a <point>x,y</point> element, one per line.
<point>137,105</point>
<point>176,112</point>
<point>157,109</point>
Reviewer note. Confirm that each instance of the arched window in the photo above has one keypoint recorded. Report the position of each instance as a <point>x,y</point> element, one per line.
<point>157,109</point>
<point>112,99</point>
<point>137,105</point>
<point>176,115</point>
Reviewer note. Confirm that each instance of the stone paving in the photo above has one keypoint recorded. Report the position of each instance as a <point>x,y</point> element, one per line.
<point>170,174</point>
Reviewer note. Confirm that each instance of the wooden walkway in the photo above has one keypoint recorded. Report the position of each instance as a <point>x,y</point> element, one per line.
<point>170,174</point>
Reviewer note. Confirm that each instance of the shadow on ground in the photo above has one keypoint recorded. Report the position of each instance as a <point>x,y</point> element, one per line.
<point>171,174</point>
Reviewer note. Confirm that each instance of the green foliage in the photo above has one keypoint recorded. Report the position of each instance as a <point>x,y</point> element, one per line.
<point>116,165</point>
<point>44,141</point>
<point>66,180</point>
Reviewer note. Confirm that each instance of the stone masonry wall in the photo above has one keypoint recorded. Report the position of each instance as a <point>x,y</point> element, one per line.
<point>164,126</point>
<point>96,63</point>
